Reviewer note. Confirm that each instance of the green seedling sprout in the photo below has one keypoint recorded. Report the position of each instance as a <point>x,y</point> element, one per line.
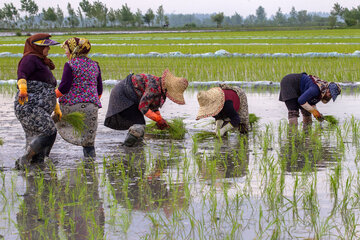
<point>76,120</point>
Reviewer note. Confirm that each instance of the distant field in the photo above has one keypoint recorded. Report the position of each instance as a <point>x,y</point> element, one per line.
<point>344,69</point>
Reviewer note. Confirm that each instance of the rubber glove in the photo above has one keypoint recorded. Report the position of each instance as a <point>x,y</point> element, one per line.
<point>23,95</point>
<point>57,111</point>
<point>160,122</point>
<point>313,111</point>
<point>224,129</point>
<point>58,93</point>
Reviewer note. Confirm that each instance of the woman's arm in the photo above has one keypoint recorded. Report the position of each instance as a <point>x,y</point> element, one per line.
<point>66,81</point>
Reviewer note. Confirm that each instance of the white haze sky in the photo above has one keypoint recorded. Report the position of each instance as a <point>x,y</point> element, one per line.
<point>229,7</point>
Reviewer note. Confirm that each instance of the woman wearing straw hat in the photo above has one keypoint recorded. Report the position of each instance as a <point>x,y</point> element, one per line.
<point>302,91</point>
<point>139,95</point>
<point>80,91</point>
<point>228,105</point>
<point>36,99</point>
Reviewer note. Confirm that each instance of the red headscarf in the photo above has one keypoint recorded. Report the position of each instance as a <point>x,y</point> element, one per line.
<point>31,48</point>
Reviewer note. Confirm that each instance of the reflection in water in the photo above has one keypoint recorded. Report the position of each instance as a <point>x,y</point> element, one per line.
<point>307,149</point>
<point>229,160</point>
<point>62,207</point>
<point>140,185</point>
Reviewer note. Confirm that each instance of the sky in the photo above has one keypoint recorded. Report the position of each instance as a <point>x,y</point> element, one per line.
<point>228,7</point>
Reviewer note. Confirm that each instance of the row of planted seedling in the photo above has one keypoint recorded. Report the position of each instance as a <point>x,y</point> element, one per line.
<point>213,69</point>
<point>276,182</point>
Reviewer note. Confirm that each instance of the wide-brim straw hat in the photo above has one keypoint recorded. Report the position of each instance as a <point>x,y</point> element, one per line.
<point>174,86</point>
<point>211,102</point>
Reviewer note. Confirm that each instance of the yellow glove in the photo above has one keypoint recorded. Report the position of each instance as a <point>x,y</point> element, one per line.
<point>57,111</point>
<point>23,95</point>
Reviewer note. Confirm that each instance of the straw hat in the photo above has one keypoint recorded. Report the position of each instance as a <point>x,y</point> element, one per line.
<point>175,87</point>
<point>211,102</point>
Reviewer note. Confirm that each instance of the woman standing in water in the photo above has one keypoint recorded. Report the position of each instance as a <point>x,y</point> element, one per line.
<point>303,92</point>
<point>36,99</point>
<point>140,95</point>
<point>80,91</point>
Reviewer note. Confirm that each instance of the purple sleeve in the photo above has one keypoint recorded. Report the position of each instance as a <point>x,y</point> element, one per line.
<point>25,68</point>
<point>99,83</point>
<point>66,80</point>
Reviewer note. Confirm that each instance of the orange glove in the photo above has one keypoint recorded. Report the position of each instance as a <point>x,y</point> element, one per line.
<point>58,93</point>
<point>160,122</point>
<point>317,115</point>
<point>23,95</point>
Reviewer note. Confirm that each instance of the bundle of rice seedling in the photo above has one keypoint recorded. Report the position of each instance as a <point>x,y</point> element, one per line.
<point>1,142</point>
<point>175,131</point>
<point>331,119</point>
<point>76,120</point>
<point>200,136</point>
<point>253,118</point>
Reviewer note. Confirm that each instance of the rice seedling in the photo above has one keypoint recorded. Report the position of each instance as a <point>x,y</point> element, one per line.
<point>76,120</point>
<point>331,119</point>
<point>175,131</point>
<point>1,142</point>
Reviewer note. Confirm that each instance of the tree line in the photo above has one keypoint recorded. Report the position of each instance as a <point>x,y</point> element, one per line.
<point>97,14</point>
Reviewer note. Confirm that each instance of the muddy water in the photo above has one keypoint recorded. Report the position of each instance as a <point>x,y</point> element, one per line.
<point>111,222</point>
<point>265,105</point>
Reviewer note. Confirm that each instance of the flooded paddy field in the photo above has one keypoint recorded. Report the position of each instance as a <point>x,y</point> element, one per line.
<point>273,183</point>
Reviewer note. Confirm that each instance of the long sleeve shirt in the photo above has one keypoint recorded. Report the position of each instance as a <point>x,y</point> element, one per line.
<point>310,91</point>
<point>32,68</point>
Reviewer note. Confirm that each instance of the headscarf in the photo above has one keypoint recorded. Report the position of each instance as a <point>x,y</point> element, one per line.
<point>33,49</point>
<point>77,46</point>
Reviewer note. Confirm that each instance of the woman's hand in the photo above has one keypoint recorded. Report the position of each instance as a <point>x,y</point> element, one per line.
<point>23,95</point>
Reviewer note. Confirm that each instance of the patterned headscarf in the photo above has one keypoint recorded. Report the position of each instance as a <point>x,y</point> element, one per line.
<point>77,46</point>
<point>323,85</point>
<point>32,47</point>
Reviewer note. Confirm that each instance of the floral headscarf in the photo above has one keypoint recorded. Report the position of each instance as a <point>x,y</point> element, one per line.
<point>77,46</point>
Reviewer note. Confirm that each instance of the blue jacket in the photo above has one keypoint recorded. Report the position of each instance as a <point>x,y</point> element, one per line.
<point>310,91</point>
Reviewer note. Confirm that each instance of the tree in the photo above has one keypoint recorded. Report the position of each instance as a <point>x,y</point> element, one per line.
<point>99,11</point>
<point>160,15</point>
<point>293,16</point>
<point>260,16</point>
<point>138,18</point>
<point>250,20</point>
<point>86,7</point>
<point>218,18</point>
<point>112,16</point>
<point>30,7</point>
<point>302,17</point>
<point>72,19</point>
<point>59,16</point>
<point>279,18</point>
<point>149,16</point>
<point>49,15</point>
<point>126,15</point>
<point>10,12</point>
<point>332,21</point>
<point>236,19</point>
